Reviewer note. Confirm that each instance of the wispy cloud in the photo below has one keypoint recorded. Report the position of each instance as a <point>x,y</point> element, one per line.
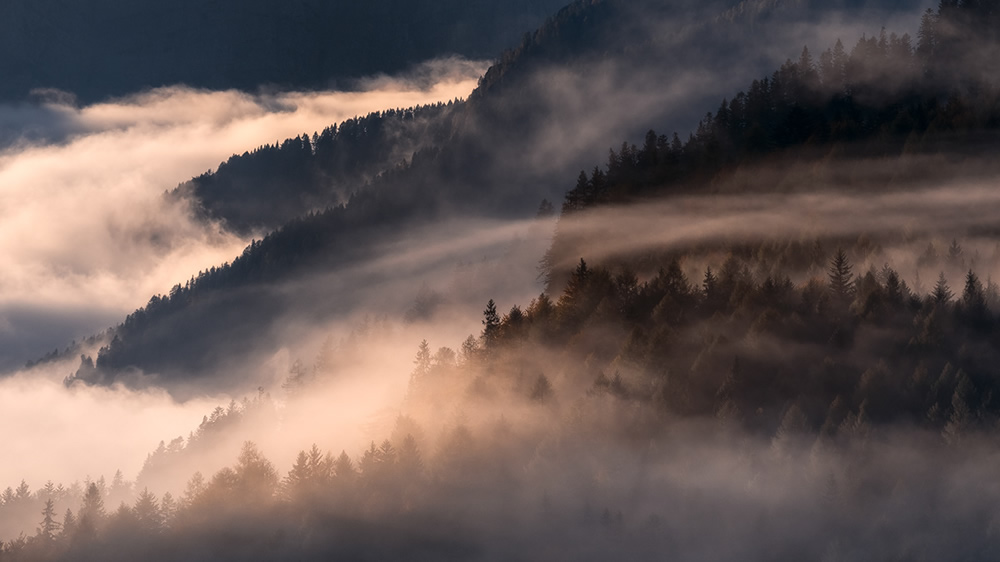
<point>86,230</point>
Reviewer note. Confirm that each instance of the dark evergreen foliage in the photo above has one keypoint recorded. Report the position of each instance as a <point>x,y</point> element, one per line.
<point>876,99</point>
<point>274,184</point>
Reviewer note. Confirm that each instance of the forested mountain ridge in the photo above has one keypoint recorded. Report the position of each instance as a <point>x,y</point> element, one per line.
<point>458,147</point>
<point>263,189</point>
<point>467,171</point>
<point>513,115</point>
<point>888,97</point>
<point>774,340</point>
<point>98,49</point>
<point>271,185</point>
<point>878,91</point>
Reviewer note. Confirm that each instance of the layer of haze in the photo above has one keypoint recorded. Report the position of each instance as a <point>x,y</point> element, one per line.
<point>692,221</point>
<point>94,176</point>
<point>432,285</point>
<point>439,278</point>
<point>87,235</point>
<point>66,435</point>
<point>109,241</point>
<point>898,211</point>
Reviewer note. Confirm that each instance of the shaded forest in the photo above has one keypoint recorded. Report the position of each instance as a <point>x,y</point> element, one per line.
<point>890,96</point>
<point>463,155</point>
<point>272,185</point>
<point>887,96</point>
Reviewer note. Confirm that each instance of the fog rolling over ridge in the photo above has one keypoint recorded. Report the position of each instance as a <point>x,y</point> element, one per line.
<point>773,338</point>
<point>592,72</point>
<point>545,110</point>
<point>95,177</point>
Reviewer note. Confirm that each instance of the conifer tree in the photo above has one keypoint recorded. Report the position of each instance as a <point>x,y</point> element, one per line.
<point>368,465</point>
<point>320,466</point>
<point>577,198</point>
<point>709,285</point>
<point>422,361</point>
<point>841,278</point>
<point>491,325</point>
<point>49,526</point>
<point>673,281</point>
<point>343,468</point>
<point>23,492</point>
<point>68,523</point>
<point>574,289</point>
<point>955,251</point>
<point>942,293</point>
<point>411,463</point>
<point>973,305</point>
<point>513,321</point>
<point>298,478</point>
<point>168,508</point>
<point>148,514</point>
<point>927,37</point>
<point>256,476</point>
<point>893,288</point>
<point>973,296</point>
<point>541,391</point>
<point>470,349</point>
<point>91,513</point>
<point>195,487</point>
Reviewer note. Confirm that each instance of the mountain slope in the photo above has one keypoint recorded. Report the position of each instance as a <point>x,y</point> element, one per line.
<point>263,189</point>
<point>616,65</point>
<point>749,363</point>
<point>470,172</point>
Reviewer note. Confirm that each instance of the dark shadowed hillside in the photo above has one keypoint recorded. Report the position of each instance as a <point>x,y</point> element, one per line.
<point>263,189</point>
<point>546,107</point>
<point>885,96</point>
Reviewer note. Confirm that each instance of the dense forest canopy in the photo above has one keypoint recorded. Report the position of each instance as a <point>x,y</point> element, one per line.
<point>275,184</point>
